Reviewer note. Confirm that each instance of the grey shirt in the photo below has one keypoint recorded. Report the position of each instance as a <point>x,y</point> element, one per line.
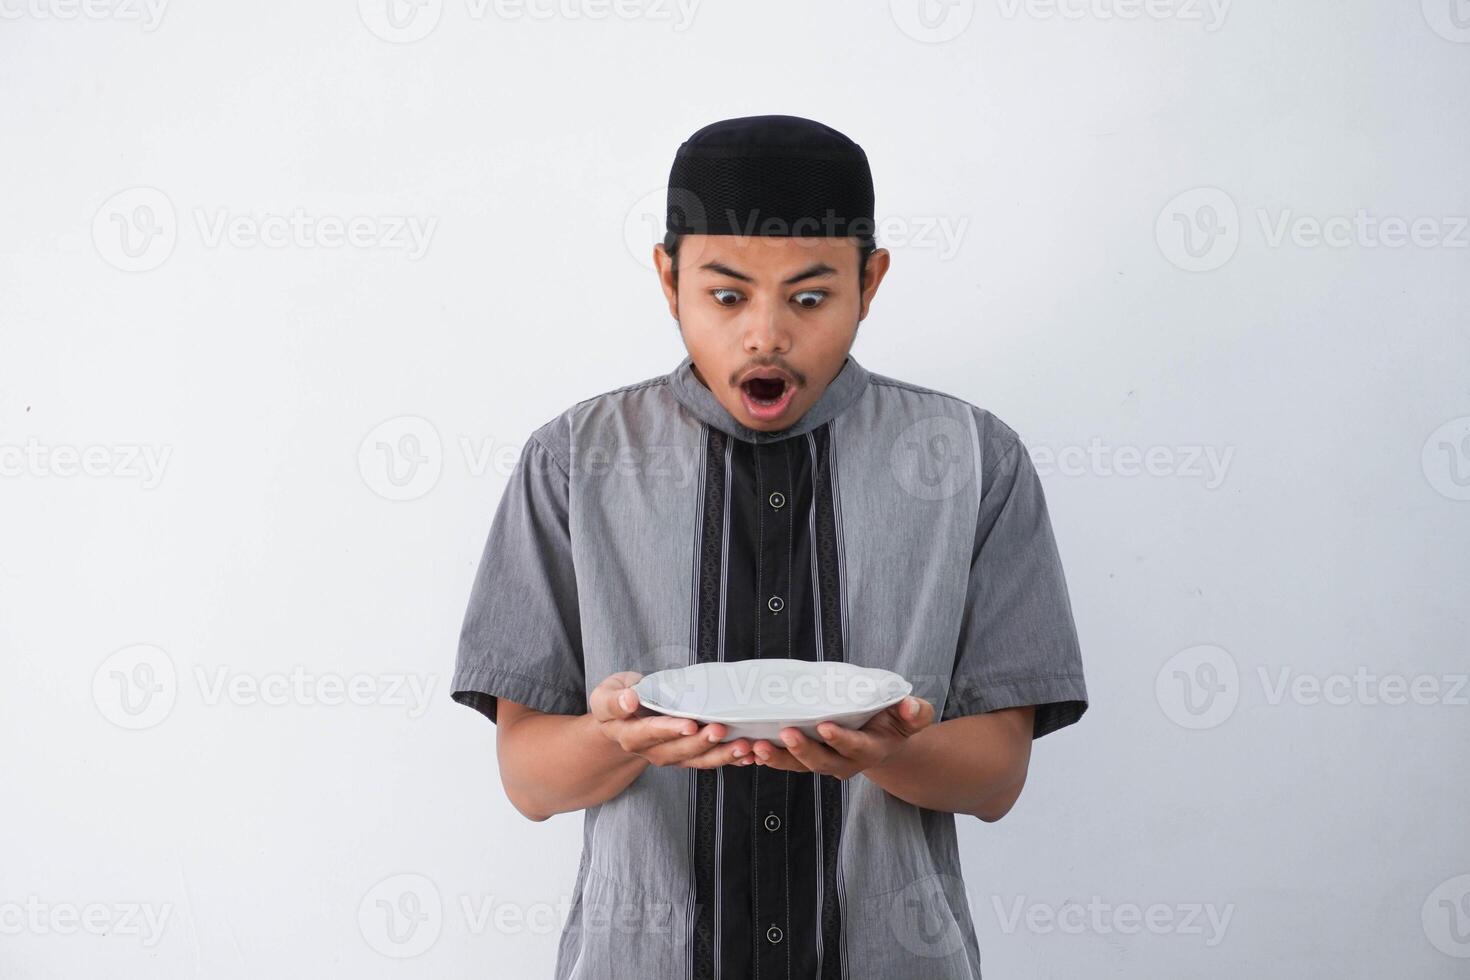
<point>891,526</point>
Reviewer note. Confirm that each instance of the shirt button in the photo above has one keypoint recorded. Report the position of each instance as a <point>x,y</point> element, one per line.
<point>773,822</point>
<point>778,499</point>
<point>773,934</point>
<point>776,603</point>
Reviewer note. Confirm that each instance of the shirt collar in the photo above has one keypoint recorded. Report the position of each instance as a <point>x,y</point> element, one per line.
<point>851,381</point>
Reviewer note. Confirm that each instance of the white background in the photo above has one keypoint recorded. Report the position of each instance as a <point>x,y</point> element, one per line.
<point>1066,151</point>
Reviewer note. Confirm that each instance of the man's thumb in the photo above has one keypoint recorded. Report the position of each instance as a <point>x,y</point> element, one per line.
<point>910,712</point>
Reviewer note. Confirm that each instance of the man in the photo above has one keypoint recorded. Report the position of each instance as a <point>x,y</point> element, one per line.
<point>770,497</point>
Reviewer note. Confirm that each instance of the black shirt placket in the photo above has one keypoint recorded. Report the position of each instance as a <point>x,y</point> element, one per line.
<point>771,789</point>
<point>770,927</point>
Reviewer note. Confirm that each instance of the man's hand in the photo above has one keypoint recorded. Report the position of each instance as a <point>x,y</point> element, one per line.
<point>844,752</point>
<point>661,740</point>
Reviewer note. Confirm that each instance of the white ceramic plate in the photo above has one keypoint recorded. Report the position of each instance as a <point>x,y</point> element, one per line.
<point>757,698</point>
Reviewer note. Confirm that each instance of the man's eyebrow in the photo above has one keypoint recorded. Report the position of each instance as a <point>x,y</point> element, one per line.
<point>811,272</point>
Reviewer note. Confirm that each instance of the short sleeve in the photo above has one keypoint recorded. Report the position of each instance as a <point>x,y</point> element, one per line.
<point>521,637</point>
<point>1018,642</point>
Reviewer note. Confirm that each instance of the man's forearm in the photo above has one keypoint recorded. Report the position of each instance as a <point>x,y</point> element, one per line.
<point>559,763</point>
<point>975,765</point>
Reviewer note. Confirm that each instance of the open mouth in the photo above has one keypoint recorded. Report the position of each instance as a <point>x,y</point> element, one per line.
<point>766,398</point>
<point>765,391</point>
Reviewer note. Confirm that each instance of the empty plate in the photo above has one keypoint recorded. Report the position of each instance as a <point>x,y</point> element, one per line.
<point>757,698</point>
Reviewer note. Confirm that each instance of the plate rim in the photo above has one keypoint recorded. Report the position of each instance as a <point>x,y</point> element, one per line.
<point>729,719</point>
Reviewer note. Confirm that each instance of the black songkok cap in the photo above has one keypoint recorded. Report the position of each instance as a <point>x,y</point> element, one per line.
<point>770,175</point>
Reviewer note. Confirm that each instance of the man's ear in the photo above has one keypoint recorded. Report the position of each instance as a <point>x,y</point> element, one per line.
<point>877,269</point>
<point>663,265</point>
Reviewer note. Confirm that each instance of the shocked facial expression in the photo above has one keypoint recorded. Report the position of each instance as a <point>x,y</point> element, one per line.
<point>768,320</point>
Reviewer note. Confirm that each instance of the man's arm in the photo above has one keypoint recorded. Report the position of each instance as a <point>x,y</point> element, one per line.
<point>972,764</point>
<point>552,763</point>
<point>976,764</point>
<point>556,763</point>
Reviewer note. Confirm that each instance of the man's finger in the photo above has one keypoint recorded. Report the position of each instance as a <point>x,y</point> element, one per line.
<point>811,753</point>
<point>677,750</point>
<point>641,734</point>
<point>847,742</point>
<point>913,714</point>
<point>727,753</point>
<point>691,742</point>
<point>607,699</point>
<point>776,757</point>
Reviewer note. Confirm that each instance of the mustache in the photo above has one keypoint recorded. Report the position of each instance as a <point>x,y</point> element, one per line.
<point>796,376</point>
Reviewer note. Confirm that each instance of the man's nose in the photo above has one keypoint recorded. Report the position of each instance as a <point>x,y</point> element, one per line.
<point>767,326</point>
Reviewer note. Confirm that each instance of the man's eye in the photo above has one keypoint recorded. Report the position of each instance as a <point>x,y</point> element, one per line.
<point>810,299</point>
<point>725,297</point>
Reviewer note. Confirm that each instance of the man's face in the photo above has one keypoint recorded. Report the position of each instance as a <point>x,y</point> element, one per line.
<point>768,320</point>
